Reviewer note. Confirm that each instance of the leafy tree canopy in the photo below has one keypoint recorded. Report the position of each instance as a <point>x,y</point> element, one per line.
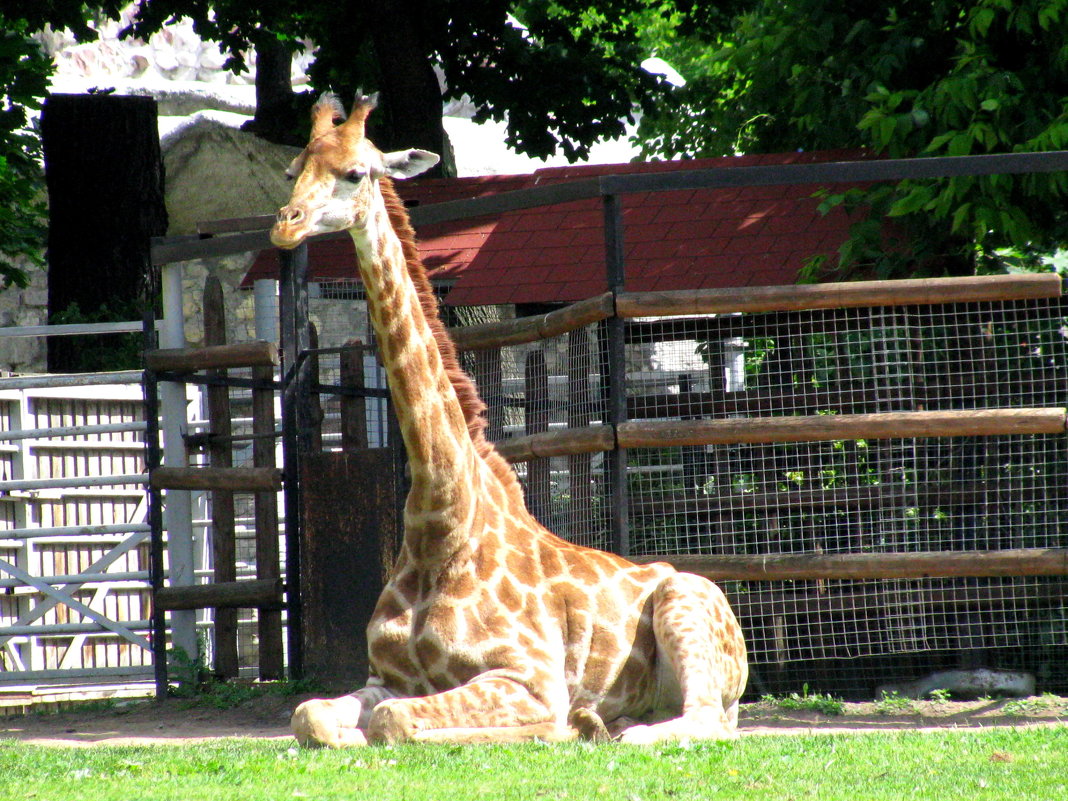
<point>913,78</point>
<point>563,74</point>
<point>23,71</point>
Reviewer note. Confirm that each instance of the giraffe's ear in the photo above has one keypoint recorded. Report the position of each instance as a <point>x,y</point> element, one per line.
<point>406,163</point>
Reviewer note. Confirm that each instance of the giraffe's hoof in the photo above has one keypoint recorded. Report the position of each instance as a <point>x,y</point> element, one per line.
<point>391,723</point>
<point>589,725</point>
<point>323,723</point>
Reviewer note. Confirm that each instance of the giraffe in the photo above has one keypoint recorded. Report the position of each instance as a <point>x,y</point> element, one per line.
<point>491,628</point>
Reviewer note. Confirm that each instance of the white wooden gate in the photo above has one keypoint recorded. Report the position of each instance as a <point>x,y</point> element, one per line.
<point>74,540</point>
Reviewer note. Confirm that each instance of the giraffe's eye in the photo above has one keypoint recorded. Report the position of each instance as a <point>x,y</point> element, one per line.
<point>355,176</point>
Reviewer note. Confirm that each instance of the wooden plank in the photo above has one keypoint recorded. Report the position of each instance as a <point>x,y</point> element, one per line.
<point>254,594</point>
<point>353,408</point>
<point>911,291</point>
<point>931,564</point>
<point>269,623</point>
<point>530,329</point>
<point>236,479</point>
<point>189,360</point>
<point>223,535</point>
<point>349,543</point>
<point>820,428</point>
<point>236,225</point>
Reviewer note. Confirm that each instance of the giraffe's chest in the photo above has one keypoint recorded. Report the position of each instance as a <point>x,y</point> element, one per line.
<point>428,639</point>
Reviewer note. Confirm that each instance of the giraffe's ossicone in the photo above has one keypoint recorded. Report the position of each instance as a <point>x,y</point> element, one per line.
<point>491,628</point>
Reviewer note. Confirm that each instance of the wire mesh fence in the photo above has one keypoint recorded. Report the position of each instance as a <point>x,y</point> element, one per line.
<point>838,496</point>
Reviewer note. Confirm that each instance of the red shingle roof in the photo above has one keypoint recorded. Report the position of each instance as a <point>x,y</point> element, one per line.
<point>684,239</point>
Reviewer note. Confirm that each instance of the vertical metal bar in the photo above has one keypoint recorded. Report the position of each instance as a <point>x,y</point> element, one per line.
<point>155,509</point>
<point>293,325</point>
<point>616,364</point>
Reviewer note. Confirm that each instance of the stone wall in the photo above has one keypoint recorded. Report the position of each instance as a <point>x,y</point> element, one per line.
<point>24,307</point>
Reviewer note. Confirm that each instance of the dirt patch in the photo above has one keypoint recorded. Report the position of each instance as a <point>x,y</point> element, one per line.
<point>183,721</point>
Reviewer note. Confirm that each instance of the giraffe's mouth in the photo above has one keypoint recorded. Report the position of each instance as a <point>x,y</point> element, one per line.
<point>285,239</point>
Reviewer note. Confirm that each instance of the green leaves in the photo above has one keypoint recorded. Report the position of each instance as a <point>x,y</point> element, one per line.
<point>23,81</point>
<point>903,80</point>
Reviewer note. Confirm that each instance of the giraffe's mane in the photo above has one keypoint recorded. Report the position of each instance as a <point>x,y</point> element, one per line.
<point>472,405</point>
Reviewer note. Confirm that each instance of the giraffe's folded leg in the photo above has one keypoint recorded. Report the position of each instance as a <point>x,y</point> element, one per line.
<point>698,638</point>
<point>490,708</point>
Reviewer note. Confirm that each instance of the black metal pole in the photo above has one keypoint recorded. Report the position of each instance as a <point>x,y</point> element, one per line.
<point>295,336</point>
<point>153,457</point>
<point>617,368</point>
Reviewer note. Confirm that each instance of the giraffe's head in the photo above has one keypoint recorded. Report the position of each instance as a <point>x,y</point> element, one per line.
<point>337,173</point>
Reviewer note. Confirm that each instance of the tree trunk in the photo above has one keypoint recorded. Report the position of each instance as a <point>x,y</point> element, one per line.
<point>105,191</point>
<point>277,117</point>
<point>410,112</point>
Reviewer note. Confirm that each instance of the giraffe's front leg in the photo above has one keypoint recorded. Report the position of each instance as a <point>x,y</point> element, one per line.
<point>337,722</point>
<point>490,708</point>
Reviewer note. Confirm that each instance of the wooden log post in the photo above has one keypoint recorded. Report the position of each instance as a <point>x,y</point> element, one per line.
<point>536,408</point>
<point>223,540</point>
<point>310,398</point>
<point>353,408</point>
<point>269,621</point>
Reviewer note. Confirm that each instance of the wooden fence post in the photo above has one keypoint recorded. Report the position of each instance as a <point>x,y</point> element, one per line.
<point>223,546</point>
<point>353,408</point>
<point>271,659</point>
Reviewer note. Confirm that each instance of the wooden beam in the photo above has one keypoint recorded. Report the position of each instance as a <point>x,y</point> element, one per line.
<point>189,360</point>
<point>220,453</point>
<point>821,428</point>
<point>907,292</point>
<point>565,442</point>
<point>931,564</point>
<point>235,479</point>
<point>536,327</point>
<point>255,594</point>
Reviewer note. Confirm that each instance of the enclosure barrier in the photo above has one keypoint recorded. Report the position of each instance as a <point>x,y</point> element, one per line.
<point>592,338</point>
<point>845,346</point>
<point>225,594</point>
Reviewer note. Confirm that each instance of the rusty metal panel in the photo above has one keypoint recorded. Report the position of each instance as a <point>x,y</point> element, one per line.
<point>348,546</point>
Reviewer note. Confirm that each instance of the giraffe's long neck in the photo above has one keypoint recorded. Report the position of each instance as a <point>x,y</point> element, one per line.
<point>436,426</point>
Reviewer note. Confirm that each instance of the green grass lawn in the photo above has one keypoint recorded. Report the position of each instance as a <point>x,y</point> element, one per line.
<point>967,764</point>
